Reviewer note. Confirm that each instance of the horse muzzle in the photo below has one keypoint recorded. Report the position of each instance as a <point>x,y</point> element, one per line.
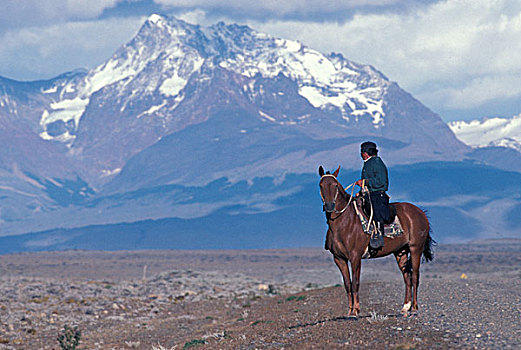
<point>329,207</point>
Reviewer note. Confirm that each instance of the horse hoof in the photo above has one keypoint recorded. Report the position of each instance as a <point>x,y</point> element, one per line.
<point>406,308</point>
<point>408,314</point>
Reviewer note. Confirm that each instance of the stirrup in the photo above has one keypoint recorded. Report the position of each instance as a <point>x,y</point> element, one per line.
<point>377,240</point>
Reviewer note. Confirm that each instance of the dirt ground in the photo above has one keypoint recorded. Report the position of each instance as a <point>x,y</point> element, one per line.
<point>470,297</point>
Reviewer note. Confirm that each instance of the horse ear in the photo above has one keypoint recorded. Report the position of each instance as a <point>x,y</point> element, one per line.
<point>336,171</point>
<point>320,171</point>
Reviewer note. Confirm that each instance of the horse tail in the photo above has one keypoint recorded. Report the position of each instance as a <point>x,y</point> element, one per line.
<point>427,247</point>
<point>428,253</point>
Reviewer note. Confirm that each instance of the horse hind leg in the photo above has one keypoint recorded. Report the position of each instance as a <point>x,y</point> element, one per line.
<point>415,262</point>
<point>404,264</point>
<point>346,276</point>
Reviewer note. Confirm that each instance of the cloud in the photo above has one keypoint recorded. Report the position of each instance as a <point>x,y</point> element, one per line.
<point>476,91</point>
<point>30,13</point>
<point>275,6</point>
<point>298,9</point>
<point>45,52</point>
<point>196,17</point>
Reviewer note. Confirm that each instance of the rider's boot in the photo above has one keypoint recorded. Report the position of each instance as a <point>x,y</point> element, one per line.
<point>377,238</point>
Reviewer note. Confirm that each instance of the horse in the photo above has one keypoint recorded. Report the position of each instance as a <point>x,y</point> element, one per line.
<point>348,242</point>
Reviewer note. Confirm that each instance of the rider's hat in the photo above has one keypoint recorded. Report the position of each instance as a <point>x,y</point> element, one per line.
<point>368,146</point>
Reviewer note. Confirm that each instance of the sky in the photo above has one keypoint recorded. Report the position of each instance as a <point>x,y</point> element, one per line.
<point>458,57</point>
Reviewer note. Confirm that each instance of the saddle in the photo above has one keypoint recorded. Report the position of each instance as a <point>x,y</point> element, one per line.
<point>392,228</point>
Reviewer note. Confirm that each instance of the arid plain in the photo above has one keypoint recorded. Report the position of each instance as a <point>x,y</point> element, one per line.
<point>470,297</point>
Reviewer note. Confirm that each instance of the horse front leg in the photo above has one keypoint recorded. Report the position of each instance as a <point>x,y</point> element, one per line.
<point>356,264</point>
<point>346,276</point>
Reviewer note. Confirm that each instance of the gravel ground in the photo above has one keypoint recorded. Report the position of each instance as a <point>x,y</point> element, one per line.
<point>470,297</point>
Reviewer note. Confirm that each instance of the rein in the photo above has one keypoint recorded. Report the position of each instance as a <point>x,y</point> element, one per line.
<point>350,197</point>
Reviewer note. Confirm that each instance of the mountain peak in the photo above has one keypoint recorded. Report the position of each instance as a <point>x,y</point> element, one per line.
<point>155,19</point>
<point>164,28</point>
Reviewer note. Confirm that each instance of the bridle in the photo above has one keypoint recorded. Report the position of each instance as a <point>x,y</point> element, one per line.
<point>338,212</point>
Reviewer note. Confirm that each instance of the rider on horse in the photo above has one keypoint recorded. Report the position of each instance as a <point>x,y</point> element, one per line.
<point>375,183</point>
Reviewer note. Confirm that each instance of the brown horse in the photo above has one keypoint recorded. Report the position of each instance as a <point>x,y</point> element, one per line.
<point>347,241</point>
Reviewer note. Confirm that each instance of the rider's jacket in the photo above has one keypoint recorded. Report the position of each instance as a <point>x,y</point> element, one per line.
<point>375,175</point>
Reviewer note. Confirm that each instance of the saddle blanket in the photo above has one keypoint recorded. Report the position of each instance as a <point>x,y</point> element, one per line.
<point>394,229</point>
<point>391,230</point>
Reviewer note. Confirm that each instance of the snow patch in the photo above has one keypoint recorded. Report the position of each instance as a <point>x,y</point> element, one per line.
<point>290,45</point>
<point>50,90</point>
<point>155,18</point>
<point>317,98</point>
<point>266,116</point>
<point>108,74</point>
<point>377,119</point>
<point>69,89</point>
<point>152,109</point>
<point>108,172</point>
<point>64,110</point>
<point>66,137</point>
<point>172,86</point>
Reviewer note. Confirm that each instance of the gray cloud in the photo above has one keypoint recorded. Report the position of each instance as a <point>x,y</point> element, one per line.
<point>45,52</point>
<point>33,13</point>
<point>276,6</point>
<point>313,10</point>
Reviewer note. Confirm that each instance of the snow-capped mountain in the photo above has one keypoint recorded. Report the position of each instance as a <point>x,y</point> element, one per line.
<point>174,74</point>
<point>490,132</point>
<point>166,53</point>
<point>186,122</point>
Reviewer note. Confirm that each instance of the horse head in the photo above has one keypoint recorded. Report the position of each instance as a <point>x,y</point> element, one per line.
<point>329,189</point>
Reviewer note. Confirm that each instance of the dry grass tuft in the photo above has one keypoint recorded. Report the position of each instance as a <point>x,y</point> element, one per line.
<point>377,318</point>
